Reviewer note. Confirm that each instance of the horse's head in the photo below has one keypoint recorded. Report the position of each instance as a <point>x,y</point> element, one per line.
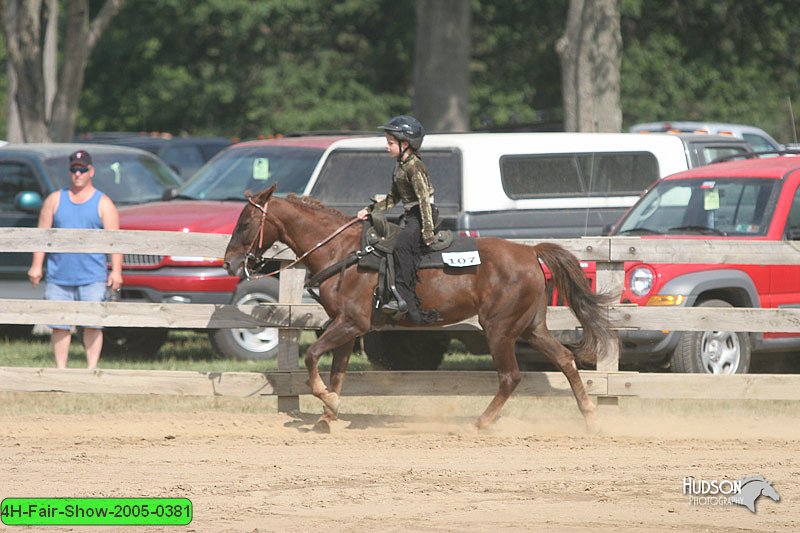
<point>253,234</point>
<point>769,491</point>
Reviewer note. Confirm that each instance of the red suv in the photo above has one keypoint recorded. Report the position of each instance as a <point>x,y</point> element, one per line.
<point>754,199</point>
<point>210,203</point>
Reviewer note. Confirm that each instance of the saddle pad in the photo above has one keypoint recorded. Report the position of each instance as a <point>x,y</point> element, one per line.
<point>460,244</point>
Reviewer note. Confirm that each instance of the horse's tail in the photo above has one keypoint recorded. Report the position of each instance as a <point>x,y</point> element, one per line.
<point>586,304</point>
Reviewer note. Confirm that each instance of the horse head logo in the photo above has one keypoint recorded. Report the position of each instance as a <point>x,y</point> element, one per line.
<point>752,488</point>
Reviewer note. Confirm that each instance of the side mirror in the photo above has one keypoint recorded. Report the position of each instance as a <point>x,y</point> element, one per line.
<point>28,201</point>
<point>169,194</point>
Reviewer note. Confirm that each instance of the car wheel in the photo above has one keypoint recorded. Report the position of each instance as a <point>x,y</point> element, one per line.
<point>405,350</point>
<point>249,343</point>
<point>712,352</point>
<point>139,342</point>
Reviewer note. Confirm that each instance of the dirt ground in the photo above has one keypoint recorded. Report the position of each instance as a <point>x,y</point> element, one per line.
<point>406,464</point>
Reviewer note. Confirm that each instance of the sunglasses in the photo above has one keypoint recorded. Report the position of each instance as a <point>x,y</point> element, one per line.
<point>79,170</point>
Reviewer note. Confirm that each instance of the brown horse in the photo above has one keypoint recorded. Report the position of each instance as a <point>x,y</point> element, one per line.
<point>506,291</point>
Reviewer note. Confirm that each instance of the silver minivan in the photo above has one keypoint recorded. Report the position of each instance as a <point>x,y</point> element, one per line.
<point>760,140</point>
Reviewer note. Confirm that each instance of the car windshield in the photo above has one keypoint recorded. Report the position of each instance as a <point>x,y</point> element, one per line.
<point>127,178</point>
<point>716,206</point>
<point>232,172</point>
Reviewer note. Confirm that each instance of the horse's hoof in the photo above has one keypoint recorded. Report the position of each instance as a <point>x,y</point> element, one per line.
<point>331,401</point>
<point>480,424</point>
<point>322,426</point>
<point>593,429</point>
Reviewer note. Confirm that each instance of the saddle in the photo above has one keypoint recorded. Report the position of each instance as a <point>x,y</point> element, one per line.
<point>376,253</point>
<point>378,241</point>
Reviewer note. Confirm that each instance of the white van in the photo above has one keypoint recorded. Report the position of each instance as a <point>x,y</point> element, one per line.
<point>520,185</point>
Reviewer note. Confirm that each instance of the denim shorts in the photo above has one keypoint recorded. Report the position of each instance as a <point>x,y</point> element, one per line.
<point>93,292</point>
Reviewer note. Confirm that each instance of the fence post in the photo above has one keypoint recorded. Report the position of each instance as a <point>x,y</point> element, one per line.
<point>610,278</point>
<point>290,292</point>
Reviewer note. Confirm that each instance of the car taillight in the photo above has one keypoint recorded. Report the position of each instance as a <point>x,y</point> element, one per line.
<point>469,233</point>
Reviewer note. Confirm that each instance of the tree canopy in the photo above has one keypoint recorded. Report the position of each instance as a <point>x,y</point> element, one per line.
<point>243,68</point>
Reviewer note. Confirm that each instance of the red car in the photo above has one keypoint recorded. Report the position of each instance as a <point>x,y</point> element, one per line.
<point>754,199</point>
<point>210,203</point>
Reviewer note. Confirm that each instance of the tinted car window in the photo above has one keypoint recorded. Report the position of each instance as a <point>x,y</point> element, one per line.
<point>577,175</point>
<point>185,158</point>
<point>710,153</point>
<point>351,178</point>
<point>15,178</point>
<point>236,170</point>
<point>727,206</point>
<point>759,143</point>
<point>126,178</point>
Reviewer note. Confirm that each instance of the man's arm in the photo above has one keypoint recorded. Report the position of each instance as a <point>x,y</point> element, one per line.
<point>110,217</point>
<point>46,215</point>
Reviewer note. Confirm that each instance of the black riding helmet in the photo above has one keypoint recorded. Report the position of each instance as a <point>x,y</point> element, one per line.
<point>406,128</point>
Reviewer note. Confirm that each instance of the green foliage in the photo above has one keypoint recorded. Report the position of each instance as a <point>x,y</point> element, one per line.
<point>238,67</point>
<point>515,71</point>
<point>246,68</point>
<point>716,61</point>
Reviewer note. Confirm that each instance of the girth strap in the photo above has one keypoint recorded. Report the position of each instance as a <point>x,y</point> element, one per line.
<point>340,267</point>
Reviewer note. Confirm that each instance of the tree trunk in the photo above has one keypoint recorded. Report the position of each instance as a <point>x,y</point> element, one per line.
<point>13,126</point>
<point>25,57</point>
<point>441,64</point>
<point>49,113</point>
<point>50,58</point>
<point>590,51</point>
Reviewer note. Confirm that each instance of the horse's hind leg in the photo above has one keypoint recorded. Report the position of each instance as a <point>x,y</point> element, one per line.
<point>501,347</point>
<point>543,342</point>
<point>341,358</point>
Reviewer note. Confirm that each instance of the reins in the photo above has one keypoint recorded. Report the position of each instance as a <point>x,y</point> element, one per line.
<point>260,238</point>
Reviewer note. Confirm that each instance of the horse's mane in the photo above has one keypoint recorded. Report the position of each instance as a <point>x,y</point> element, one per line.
<point>313,203</point>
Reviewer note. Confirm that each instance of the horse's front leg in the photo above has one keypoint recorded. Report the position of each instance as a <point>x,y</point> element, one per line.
<point>341,358</point>
<point>340,334</point>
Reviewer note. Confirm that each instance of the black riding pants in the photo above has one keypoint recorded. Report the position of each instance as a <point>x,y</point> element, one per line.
<point>407,251</point>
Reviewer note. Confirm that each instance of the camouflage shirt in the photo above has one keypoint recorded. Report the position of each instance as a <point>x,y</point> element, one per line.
<point>411,186</point>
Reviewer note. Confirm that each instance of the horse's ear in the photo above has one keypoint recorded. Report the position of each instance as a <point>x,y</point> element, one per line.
<point>265,195</point>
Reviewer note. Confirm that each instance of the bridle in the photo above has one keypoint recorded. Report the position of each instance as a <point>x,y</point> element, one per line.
<point>260,261</point>
<point>259,237</point>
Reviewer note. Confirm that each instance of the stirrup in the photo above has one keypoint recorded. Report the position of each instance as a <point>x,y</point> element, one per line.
<point>394,307</point>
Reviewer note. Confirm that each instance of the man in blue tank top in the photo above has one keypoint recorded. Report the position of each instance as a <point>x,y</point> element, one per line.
<point>78,276</point>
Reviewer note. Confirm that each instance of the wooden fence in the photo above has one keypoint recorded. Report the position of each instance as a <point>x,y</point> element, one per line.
<point>291,317</point>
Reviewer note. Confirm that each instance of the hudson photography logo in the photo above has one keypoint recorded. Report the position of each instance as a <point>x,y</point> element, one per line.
<point>727,492</point>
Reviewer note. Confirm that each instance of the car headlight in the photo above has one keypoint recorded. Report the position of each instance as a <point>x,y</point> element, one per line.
<point>641,280</point>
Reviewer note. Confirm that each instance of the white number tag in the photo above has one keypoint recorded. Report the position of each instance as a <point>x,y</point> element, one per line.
<point>461,259</point>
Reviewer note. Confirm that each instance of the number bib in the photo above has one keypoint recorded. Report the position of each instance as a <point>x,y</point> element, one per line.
<point>461,259</point>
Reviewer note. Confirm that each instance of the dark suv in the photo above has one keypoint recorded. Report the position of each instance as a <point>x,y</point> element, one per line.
<point>184,155</point>
<point>29,172</point>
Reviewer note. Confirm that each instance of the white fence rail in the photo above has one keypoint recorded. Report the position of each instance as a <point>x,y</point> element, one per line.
<point>291,316</point>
